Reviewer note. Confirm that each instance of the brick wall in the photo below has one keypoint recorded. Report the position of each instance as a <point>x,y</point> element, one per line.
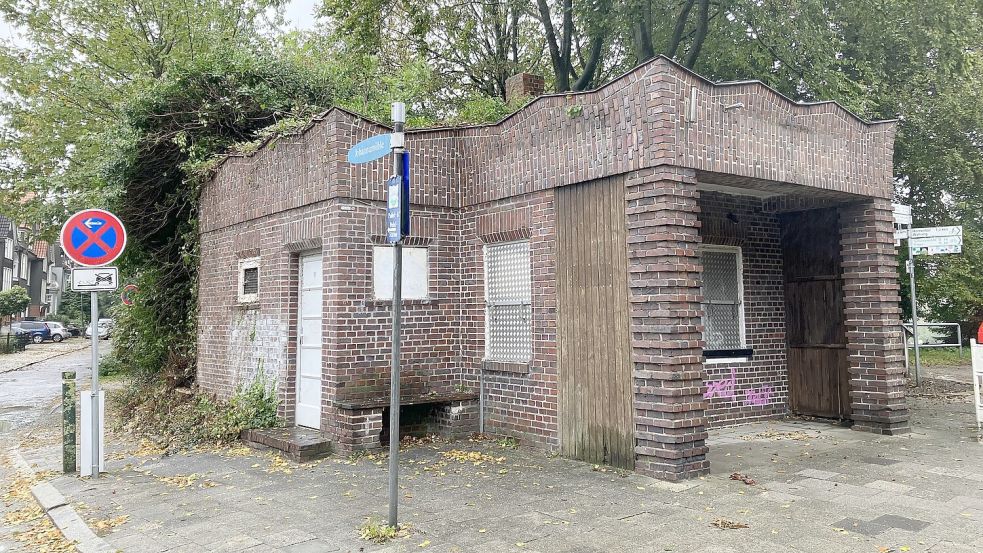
<point>761,384</point>
<point>473,186</point>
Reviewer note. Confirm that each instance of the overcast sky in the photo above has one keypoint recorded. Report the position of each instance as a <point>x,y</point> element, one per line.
<point>299,15</point>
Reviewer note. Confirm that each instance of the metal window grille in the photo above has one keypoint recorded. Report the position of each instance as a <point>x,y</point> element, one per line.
<point>508,298</point>
<point>249,280</point>
<point>723,309</point>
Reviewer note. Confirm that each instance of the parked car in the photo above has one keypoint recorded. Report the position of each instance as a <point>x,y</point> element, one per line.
<point>38,331</point>
<point>58,331</point>
<point>74,330</point>
<point>104,329</point>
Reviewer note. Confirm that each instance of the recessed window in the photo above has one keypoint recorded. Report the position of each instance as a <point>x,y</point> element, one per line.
<point>249,280</point>
<point>7,278</point>
<point>416,273</point>
<point>723,298</point>
<point>508,301</point>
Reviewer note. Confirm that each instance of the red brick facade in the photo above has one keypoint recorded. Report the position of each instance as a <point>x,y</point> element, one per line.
<point>711,172</point>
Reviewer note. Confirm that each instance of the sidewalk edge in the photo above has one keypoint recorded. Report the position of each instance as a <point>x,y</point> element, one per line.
<point>61,513</point>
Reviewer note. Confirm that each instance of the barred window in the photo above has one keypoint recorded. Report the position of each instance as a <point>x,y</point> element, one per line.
<point>723,298</point>
<point>508,300</point>
<point>249,280</point>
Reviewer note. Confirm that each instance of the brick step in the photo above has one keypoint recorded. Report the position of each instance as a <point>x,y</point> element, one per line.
<point>296,443</point>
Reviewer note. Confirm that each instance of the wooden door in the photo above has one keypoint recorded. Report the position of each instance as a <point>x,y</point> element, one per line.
<point>309,337</point>
<point>818,367</point>
<point>596,415</point>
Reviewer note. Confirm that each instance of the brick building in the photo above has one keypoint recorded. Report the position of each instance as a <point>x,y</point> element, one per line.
<point>618,270</point>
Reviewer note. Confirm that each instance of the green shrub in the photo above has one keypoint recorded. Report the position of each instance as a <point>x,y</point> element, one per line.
<point>179,418</point>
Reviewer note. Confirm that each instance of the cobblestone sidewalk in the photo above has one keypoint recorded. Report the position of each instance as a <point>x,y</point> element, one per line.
<point>783,486</point>
<point>36,353</point>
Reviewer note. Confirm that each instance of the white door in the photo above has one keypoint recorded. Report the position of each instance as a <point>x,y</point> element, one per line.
<point>309,342</point>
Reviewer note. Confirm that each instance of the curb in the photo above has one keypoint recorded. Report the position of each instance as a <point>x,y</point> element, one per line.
<point>63,515</point>
<point>32,363</point>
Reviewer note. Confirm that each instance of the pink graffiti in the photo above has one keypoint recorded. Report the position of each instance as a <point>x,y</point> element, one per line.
<point>726,387</point>
<point>757,396</point>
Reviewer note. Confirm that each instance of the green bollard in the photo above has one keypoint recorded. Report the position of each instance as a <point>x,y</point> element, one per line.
<point>68,433</point>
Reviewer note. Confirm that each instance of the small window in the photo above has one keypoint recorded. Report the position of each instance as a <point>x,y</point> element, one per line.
<point>416,273</point>
<point>8,277</point>
<point>8,248</point>
<point>23,266</point>
<point>508,300</point>
<point>249,280</point>
<point>723,298</point>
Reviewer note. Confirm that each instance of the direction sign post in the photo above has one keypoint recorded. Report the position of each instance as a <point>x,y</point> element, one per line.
<point>401,209</point>
<point>924,241</point>
<point>93,238</point>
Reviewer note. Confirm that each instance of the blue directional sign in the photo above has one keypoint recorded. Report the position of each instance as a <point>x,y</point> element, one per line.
<point>370,149</point>
<point>398,204</point>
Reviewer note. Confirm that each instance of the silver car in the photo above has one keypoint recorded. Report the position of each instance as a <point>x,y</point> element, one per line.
<point>58,331</point>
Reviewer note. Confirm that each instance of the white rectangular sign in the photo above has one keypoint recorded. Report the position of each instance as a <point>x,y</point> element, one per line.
<point>902,214</point>
<point>936,250</point>
<point>900,234</point>
<point>95,279</point>
<point>932,232</point>
<point>937,241</point>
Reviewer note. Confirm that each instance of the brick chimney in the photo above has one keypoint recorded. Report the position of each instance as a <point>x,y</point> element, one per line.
<point>524,85</point>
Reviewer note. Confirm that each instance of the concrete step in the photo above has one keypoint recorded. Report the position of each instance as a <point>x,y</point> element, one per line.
<point>296,443</point>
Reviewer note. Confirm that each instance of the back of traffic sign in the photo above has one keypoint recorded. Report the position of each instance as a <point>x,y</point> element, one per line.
<point>93,237</point>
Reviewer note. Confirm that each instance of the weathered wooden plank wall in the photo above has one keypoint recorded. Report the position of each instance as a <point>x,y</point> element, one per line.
<point>595,399</point>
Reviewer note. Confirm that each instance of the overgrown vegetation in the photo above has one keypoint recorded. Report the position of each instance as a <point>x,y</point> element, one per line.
<point>375,531</point>
<point>185,419</point>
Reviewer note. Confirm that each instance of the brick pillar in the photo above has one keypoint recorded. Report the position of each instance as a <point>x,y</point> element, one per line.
<point>872,314</point>
<point>666,327</point>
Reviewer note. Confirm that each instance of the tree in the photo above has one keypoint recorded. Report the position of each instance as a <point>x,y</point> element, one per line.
<point>12,301</point>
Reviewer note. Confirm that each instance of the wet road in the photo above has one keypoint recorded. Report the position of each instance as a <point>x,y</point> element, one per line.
<point>29,394</point>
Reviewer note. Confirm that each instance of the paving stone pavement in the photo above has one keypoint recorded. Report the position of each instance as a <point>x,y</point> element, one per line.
<point>817,487</point>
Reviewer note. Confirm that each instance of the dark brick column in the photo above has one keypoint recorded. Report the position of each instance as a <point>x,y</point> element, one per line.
<point>872,312</point>
<point>666,328</point>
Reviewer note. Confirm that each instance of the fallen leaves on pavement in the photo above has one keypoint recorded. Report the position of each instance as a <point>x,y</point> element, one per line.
<point>743,478</point>
<point>725,524</point>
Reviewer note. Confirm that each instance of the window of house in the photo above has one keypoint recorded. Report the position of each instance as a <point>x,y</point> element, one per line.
<point>8,277</point>
<point>8,248</point>
<point>416,273</point>
<point>723,302</point>
<point>16,264</point>
<point>23,266</point>
<point>508,300</point>
<point>249,280</point>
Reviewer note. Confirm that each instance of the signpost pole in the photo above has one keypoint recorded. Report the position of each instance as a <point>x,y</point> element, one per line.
<point>96,440</point>
<point>914,313</point>
<point>399,119</point>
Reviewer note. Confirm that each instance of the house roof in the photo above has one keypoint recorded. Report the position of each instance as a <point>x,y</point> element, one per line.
<point>641,69</point>
<point>40,248</point>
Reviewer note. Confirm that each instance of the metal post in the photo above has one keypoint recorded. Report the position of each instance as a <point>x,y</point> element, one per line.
<point>914,314</point>
<point>399,118</point>
<point>68,435</point>
<point>959,337</point>
<point>96,440</point>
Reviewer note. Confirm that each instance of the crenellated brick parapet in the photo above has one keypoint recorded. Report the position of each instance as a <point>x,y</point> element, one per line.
<point>872,316</point>
<point>666,328</point>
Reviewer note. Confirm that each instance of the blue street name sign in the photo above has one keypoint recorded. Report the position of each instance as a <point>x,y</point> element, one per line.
<point>370,149</point>
<point>398,204</point>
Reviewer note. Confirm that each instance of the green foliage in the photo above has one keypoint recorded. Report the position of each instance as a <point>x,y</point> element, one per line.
<point>376,531</point>
<point>12,344</point>
<point>181,419</point>
<point>13,300</point>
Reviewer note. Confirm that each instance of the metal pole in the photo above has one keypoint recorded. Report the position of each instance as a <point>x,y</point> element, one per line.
<point>914,313</point>
<point>399,118</point>
<point>959,337</point>
<point>96,440</point>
